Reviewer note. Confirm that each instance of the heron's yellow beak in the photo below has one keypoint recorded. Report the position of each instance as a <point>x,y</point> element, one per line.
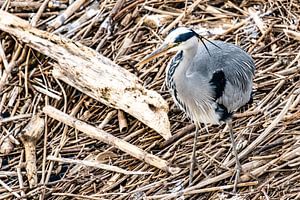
<point>158,52</point>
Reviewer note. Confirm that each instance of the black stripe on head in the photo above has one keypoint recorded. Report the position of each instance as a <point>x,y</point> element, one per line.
<point>218,81</point>
<point>185,36</point>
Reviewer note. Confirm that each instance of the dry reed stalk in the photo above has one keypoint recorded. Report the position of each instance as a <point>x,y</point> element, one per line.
<point>59,20</point>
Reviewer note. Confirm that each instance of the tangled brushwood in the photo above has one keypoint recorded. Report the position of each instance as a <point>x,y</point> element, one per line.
<point>80,119</point>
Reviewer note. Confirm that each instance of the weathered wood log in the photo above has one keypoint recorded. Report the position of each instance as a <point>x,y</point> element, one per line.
<point>94,74</point>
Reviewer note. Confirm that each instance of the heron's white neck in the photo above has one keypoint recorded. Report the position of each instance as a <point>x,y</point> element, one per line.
<point>181,62</point>
<point>187,57</point>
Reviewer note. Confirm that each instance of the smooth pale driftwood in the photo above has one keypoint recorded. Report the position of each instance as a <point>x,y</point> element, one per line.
<point>107,138</point>
<point>94,74</point>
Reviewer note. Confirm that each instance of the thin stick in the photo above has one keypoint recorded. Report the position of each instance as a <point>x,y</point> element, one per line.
<point>6,74</point>
<point>110,139</point>
<point>3,58</point>
<point>15,118</point>
<point>39,13</point>
<point>204,190</point>
<point>177,20</point>
<point>220,188</point>
<point>9,189</point>
<point>97,165</point>
<point>107,118</point>
<point>263,135</point>
<point>59,20</point>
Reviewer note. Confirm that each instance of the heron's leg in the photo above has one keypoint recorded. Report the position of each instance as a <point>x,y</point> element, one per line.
<point>193,158</point>
<point>237,161</point>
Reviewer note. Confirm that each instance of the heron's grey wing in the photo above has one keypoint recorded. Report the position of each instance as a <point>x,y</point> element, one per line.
<point>238,84</point>
<point>230,71</point>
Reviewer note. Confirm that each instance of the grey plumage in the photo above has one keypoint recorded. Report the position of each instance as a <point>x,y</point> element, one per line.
<point>189,74</point>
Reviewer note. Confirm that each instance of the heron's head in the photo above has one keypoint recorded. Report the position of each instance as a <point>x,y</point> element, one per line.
<point>179,39</point>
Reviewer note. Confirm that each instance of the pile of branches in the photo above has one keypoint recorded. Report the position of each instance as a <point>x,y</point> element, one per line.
<point>62,137</point>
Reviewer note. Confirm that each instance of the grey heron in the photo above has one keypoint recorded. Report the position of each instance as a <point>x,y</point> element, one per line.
<point>208,80</point>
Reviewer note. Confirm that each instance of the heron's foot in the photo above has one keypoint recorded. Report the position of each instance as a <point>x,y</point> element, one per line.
<point>238,170</point>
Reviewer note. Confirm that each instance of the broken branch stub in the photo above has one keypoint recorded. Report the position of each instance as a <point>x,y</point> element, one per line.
<point>94,74</point>
<point>30,135</point>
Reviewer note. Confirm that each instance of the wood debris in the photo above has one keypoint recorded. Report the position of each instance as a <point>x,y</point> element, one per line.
<point>33,78</point>
<point>94,75</point>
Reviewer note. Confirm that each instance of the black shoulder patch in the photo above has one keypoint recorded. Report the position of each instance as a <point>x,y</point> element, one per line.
<point>223,113</point>
<point>218,81</point>
<point>184,36</point>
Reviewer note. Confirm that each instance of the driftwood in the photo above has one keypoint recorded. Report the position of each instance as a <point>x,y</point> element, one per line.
<point>93,74</point>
